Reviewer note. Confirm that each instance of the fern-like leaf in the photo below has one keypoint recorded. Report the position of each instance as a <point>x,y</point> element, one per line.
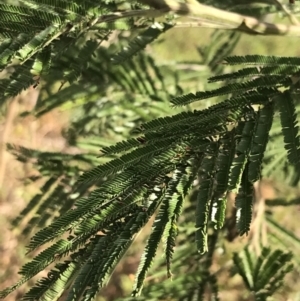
<point>244,134</point>
<point>259,142</point>
<point>229,88</point>
<point>140,42</point>
<point>289,125</point>
<point>264,274</point>
<point>206,173</point>
<point>262,60</point>
<point>243,203</point>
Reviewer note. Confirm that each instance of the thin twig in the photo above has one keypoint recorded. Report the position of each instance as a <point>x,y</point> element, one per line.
<point>214,17</point>
<point>292,18</point>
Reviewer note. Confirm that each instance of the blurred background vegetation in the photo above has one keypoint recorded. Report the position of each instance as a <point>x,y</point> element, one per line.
<point>183,55</point>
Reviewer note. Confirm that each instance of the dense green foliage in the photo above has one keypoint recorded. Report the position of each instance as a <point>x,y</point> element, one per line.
<point>176,167</point>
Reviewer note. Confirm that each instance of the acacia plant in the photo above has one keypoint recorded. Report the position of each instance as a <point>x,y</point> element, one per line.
<point>164,153</point>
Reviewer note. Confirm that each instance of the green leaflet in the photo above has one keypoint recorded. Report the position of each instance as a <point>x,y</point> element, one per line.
<point>206,173</point>
<point>28,16</point>
<point>114,252</point>
<point>9,48</point>
<point>151,247</point>
<point>285,236</point>
<point>222,176</point>
<point>174,210</point>
<point>52,288</point>
<point>244,204</point>
<point>42,62</point>
<point>164,227</point>
<point>152,243</point>
<point>84,55</point>
<point>121,146</point>
<point>37,43</point>
<point>140,42</point>
<point>38,264</point>
<point>34,201</point>
<point>61,7</point>
<point>36,25</point>
<point>146,153</point>
<point>262,60</point>
<point>188,122</point>
<point>268,81</point>
<point>218,211</point>
<point>244,136</point>
<point>223,49</point>
<point>259,142</point>
<point>264,273</point>
<point>80,219</point>
<point>289,125</point>
<point>279,71</point>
